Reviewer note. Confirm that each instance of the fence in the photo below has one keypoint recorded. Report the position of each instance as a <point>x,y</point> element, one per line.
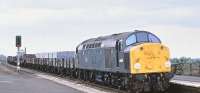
<point>188,69</point>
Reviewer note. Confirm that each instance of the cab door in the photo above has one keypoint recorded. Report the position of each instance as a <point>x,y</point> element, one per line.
<point>119,53</point>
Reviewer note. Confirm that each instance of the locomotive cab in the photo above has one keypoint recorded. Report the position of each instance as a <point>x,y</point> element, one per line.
<point>148,60</point>
<point>147,54</point>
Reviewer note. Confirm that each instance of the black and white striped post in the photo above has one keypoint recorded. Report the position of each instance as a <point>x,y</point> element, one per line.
<point>18,45</point>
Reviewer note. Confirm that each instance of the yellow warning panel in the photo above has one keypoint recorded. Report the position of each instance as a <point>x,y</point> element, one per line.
<point>149,58</point>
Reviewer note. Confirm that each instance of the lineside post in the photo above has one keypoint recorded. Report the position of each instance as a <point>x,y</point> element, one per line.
<point>18,60</point>
<point>18,45</point>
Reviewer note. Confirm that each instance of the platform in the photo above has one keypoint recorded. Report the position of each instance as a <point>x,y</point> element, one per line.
<point>189,81</point>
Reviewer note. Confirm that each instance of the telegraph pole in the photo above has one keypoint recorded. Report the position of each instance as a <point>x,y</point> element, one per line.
<point>18,45</point>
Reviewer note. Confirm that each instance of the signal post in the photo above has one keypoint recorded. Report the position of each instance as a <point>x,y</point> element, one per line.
<point>18,45</point>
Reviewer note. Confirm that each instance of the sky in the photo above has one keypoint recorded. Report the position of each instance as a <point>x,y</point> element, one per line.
<point>58,25</point>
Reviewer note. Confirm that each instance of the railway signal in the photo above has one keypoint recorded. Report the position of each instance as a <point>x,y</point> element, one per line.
<point>18,45</point>
<point>18,41</point>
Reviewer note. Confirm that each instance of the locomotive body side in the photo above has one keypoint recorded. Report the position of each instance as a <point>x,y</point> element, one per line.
<point>102,55</point>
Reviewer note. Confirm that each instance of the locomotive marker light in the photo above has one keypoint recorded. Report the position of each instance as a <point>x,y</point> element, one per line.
<point>168,64</point>
<point>137,66</point>
<point>18,45</point>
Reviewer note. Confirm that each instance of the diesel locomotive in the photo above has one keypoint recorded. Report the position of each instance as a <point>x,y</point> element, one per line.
<point>135,61</point>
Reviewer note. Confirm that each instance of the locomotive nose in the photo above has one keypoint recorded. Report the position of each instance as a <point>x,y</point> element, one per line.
<point>150,58</point>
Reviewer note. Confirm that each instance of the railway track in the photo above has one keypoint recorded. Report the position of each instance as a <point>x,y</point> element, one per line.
<point>182,89</point>
<point>95,85</point>
<point>103,87</point>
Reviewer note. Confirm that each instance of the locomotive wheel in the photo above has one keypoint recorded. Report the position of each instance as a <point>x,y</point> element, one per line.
<point>105,79</point>
<point>76,73</point>
<point>91,76</point>
<point>165,83</point>
<point>135,86</point>
<point>159,85</point>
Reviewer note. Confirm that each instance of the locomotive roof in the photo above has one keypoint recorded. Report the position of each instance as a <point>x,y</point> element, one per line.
<point>113,37</point>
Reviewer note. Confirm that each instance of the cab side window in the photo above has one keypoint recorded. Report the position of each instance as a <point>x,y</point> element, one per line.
<point>131,39</point>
